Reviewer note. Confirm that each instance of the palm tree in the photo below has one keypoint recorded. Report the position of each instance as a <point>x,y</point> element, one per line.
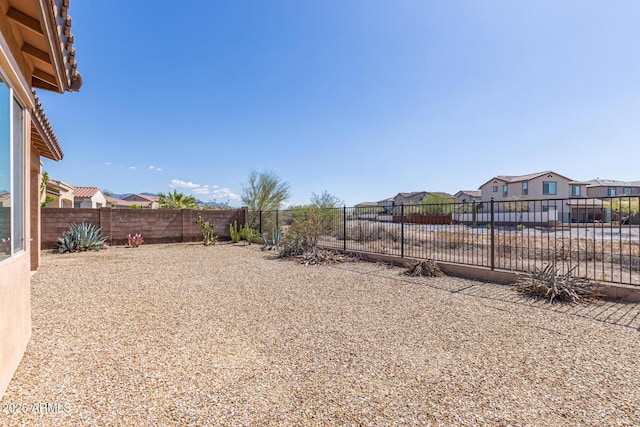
<point>177,200</point>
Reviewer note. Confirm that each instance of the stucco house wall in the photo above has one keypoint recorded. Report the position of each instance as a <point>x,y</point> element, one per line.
<point>25,128</point>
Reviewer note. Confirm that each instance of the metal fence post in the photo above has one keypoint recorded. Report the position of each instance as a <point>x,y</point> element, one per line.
<point>402,230</point>
<point>260,226</point>
<point>277,221</point>
<point>344,227</point>
<point>493,238</point>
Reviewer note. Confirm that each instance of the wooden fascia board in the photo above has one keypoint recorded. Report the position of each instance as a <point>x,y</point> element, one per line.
<point>50,27</point>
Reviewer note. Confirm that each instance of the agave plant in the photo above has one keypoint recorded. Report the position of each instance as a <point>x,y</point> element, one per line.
<point>274,242</point>
<point>551,284</point>
<point>81,237</point>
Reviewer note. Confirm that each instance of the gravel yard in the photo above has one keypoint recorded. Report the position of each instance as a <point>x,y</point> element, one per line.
<point>184,334</point>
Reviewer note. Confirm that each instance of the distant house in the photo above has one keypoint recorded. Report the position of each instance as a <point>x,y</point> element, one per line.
<point>88,197</point>
<point>612,188</point>
<point>547,185</point>
<point>409,198</point>
<point>467,196</point>
<point>61,194</point>
<point>143,200</point>
<point>114,202</point>
<point>546,191</point>
<point>386,204</point>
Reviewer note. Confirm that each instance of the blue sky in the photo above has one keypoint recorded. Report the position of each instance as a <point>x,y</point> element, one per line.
<point>361,98</point>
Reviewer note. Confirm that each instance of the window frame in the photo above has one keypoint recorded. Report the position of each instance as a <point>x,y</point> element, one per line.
<point>626,191</point>
<point>17,182</point>
<point>575,193</point>
<point>546,188</point>
<point>525,188</point>
<point>611,191</point>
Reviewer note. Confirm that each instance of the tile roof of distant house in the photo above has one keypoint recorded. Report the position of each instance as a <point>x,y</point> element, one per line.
<point>470,193</point>
<point>145,197</point>
<point>411,194</point>
<point>85,191</point>
<point>613,183</point>
<point>387,200</point>
<point>115,201</point>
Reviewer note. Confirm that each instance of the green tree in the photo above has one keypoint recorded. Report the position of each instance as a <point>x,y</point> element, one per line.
<point>45,199</point>
<point>437,204</point>
<point>176,200</point>
<point>265,191</point>
<point>326,200</point>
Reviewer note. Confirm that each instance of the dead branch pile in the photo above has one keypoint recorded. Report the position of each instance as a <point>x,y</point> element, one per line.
<point>549,284</point>
<point>427,268</point>
<point>325,257</point>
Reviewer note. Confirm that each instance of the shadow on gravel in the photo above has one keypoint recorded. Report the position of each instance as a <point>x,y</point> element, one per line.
<point>616,313</point>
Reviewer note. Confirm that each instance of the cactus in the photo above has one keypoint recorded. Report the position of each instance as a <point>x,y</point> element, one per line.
<point>249,233</point>
<point>234,232</point>
<point>208,236</point>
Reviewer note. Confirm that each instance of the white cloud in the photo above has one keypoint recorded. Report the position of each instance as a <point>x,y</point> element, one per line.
<point>224,193</point>
<point>152,167</point>
<point>177,183</point>
<point>107,163</point>
<point>158,169</point>
<point>213,191</point>
<point>132,168</point>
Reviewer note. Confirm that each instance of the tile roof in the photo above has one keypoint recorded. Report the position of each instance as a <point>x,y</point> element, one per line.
<point>612,183</point>
<point>470,193</point>
<point>119,202</point>
<point>519,178</point>
<point>143,196</point>
<point>85,191</point>
<point>44,138</point>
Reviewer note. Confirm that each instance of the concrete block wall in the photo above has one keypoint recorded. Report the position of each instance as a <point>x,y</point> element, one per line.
<point>155,225</point>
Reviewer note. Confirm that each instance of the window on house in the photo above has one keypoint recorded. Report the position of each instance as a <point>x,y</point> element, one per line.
<point>12,170</point>
<point>626,191</point>
<point>525,188</point>
<point>549,188</point>
<point>611,191</point>
<point>495,188</point>
<point>18,177</point>
<point>77,204</point>
<point>575,190</point>
<point>505,190</point>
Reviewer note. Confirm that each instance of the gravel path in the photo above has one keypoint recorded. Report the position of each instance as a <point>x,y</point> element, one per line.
<point>190,335</point>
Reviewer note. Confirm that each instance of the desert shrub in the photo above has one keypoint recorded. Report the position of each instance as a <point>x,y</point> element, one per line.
<point>293,244</point>
<point>81,237</point>
<point>302,236</point>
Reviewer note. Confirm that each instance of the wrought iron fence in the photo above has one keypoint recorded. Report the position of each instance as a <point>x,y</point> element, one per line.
<point>600,237</point>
